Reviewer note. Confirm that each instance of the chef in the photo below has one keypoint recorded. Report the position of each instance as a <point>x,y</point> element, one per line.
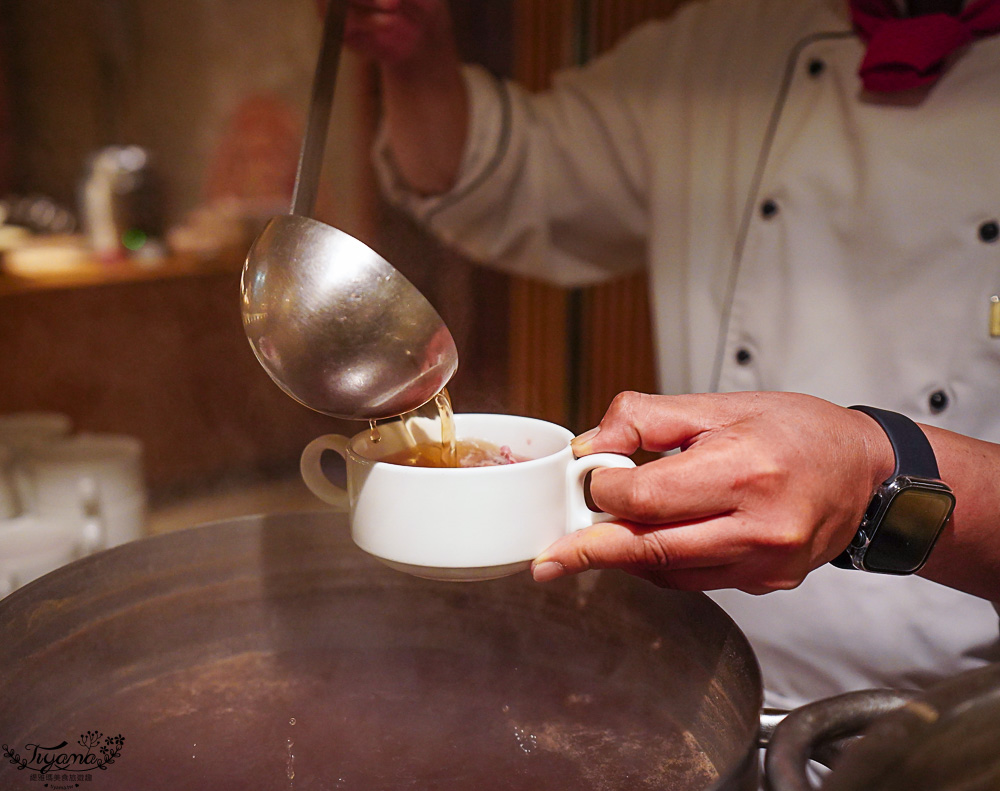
<point>813,189</point>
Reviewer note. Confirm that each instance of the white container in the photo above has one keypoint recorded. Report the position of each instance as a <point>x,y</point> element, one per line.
<point>84,476</point>
<point>31,546</point>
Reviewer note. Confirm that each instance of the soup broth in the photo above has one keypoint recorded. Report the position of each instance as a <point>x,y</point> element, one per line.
<point>467,453</point>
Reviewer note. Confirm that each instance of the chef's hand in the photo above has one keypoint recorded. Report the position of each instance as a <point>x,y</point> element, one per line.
<point>399,32</point>
<point>767,487</point>
<point>424,102</point>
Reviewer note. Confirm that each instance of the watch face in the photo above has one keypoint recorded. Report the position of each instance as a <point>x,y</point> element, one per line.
<point>908,529</point>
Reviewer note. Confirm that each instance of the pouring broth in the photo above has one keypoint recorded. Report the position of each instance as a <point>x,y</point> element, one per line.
<point>448,451</point>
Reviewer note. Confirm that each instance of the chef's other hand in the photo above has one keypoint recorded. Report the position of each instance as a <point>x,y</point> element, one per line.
<point>397,32</point>
<point>767,487</point>
<point>424,101</point>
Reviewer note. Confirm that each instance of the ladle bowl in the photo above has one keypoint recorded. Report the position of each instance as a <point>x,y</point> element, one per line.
<point>332,322</point>
<point>337,327</point>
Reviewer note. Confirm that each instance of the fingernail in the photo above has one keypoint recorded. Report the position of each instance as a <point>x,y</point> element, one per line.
<point>581,444</point>
<point>549,570</point>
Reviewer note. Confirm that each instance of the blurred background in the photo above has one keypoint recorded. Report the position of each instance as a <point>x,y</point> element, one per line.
<point>142,145</point>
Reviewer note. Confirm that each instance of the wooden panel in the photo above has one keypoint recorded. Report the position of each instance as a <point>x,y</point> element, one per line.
<point>539,376</point>
<point>616,346</point>
<point>538,359</point>
<point>612,329</point>
<point>614,18</point>
<point>615,329</point>
<point>543,36</point>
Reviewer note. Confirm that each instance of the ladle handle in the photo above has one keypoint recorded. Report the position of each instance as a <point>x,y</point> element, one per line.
<point>318,121</point>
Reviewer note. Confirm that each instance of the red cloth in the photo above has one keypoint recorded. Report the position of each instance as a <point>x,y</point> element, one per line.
<point>912,51</point>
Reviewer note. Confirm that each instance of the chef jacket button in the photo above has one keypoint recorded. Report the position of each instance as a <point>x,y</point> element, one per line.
<point>938,401</point>
<point>743,356</point>
<point>989,231</point>
<point>815,67</point>
<point>768,209</point>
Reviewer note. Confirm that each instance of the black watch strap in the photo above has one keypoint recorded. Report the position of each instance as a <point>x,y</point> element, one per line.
<point>909,443</point>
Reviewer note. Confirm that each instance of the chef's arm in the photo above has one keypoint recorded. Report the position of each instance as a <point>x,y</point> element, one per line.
<point>424,101</point>
<point>768,487</point>
<point>967,555</point>
<point>549,184</point>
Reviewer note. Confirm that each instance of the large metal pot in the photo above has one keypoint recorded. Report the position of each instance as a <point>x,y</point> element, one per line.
<point>271,653</point>
<point>945,738</point>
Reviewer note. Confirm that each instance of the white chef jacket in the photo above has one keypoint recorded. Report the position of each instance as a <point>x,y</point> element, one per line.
<point>799,235</point>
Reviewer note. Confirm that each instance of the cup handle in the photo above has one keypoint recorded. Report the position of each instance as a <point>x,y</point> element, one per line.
<point>578,514</point>
<point>312,471</point>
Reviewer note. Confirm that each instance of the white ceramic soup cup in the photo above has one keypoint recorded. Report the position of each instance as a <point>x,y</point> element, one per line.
<point>467,523</point>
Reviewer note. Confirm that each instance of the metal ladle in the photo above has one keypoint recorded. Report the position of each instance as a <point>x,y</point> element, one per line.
<point>333,323</point>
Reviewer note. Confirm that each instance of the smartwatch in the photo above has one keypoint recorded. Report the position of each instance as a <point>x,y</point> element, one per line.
<point>908,510</point>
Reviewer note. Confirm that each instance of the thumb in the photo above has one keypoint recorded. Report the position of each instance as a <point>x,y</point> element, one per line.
<point>598,546</point>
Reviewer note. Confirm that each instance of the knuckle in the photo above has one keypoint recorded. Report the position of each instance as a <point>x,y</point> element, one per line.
<point>622,408</point>
<point>640,498</point>
<point>761,477</point>
<point>648,551</point>
<point>584,551</point>
<point>626,417</point>
<point>582,561</point>
<point>763,474</point>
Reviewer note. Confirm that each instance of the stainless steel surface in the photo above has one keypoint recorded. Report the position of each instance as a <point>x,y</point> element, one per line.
<point>944,738</point>
<point>318,120</point>
<point>201,647</point>
<point>332,322</point>
<point>806,734</point>
<point>770,719</point>
<point>337,327</point>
